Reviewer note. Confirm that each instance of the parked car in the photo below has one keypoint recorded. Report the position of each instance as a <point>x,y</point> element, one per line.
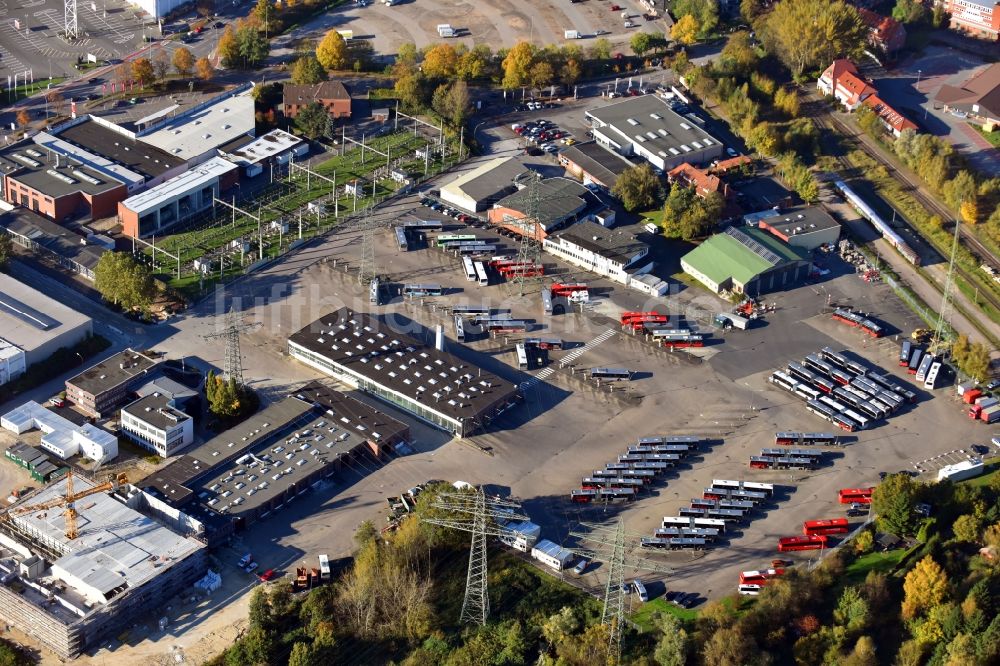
<point>581,566</point>
<point>250,568</point>
<point>980,449</point>
<point>616,8</point>
<point>267,575</point>
<point>689,600</point>
<point>993,385</point>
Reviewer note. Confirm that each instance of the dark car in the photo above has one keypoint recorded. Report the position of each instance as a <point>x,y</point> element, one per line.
<point>219,25</point>
<point>93,96</point>
<point>93,80</point>
<point>993,385</point>
<point>855,513</point>
<point>689,600</point>
<point>670,595</point>
<point>882,475</point>
<point>980,449</point>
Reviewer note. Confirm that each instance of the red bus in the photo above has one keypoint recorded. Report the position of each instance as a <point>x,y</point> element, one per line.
<point>859,495</point>
<point>831,526</point>
<point>788,544</point>
<point>560,289</point>
<point>629,316</point>
<point>759,577</point>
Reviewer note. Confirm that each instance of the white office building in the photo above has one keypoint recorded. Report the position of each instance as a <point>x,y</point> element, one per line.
<point>613,254</point>
<point>154,423</point>
<point>61,436</point>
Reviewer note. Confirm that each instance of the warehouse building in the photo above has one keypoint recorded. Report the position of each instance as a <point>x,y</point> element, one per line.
<point>560,202</point>
<point>155,423</point>
<point>178,199</point>
<point>253,154</point>
<point>485,185</point>
<point>103,388</point>
<point>41,468</point>
<point>70,250</point>
<point>434,386</point>
<point>71,594</point>
<point>646,127</point>
<point>615,254</point>
<point>804,227</point>
<point>33,327</point>
<point>747,260</point>
<point>61,436</point>
<point>594,164</point>
<point>245,473</point>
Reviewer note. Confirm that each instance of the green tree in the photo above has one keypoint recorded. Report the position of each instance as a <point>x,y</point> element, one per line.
<point>251,46</point>
<point>811,33</point>
<point>642,42</point>
<point>313,120</point>
<point>517,65</point>
<point>601,49</point>
<point>302,654</point>
<point>637,188</point>
<point>266,15</point>
<point>183,61</point>
<point>541,74</point>
<point>259,606</point>
<point>977,362</point>
<point>863,653</point>
<point>852,610</point>
<point>475,63</point>
<point>959,189</point>
<point>960,348</point>
<point>227,48</point>
<point>411,90</point>
<point>673,646</point>
<point>6,249</point>
<point>685,31</point>
<point>729,647</point>
<point>705,13</point>
<point>893,501</point>
<point>306,70</point>
<point>557,627</point>
<point>142,71</point>
<point>332,51</point>
<point>924,587</point>
<point>909,11</point>
<point>453,102</point>
<point>864,541</point>
<point>122,280</point>
<point>869,122</point>
<point>966,528</point>
<point>366,533</point>
<point>750,10</point>
<point>738,55</point>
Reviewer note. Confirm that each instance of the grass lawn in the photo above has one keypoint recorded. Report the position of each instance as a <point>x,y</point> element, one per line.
<point>992,471</point>
<point>644,616</point>
<point>993,137</point>
<point>883,562</point>
<point>655,216</point>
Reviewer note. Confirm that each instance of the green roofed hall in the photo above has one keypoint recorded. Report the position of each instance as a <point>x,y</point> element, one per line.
<point>746,260</point>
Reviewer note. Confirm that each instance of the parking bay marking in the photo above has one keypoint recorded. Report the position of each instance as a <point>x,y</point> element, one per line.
<point>545,373</point>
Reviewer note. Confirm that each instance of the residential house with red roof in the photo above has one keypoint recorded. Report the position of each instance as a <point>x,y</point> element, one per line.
<point>842,80</point>
<point>978,97</point>
<point>894,121</point>
<point>885,33</point>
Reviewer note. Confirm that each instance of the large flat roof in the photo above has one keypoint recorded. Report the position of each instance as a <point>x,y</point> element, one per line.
<point>489,179</point>
<point>619,246</point>
<point>155,410</point>
<point>648,121</point>
<point>195,178</point>
<point>192,134</point>
<point>558,199</point>
<point>29,318</point>
<point>46,171</point>
<point>53,237</point>
<point>352,414</point>
<point>247,150</point>
<point>94,160</point>
<point>113,371</point>
<point>740,254</point>
<point>389,357</point>
<point>605,165</point>
<point>118,548</point>
<point>137,156</point>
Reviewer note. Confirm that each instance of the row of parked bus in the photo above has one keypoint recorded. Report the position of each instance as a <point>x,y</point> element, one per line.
<point>751,582</point>
<point>860,321</point>
<point>654,327</point>
<point>772,458</point>
<point>925,366</point>
<point>815,535</point>
<point>637,468</point>
<point>806,439</point>
<point>841,390</point>
<point>533,353</point>
<point>702,523</point>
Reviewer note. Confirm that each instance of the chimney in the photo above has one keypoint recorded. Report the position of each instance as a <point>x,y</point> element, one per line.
<point>439,338</point>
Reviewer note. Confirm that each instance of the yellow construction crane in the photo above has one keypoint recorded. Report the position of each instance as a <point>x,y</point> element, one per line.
<point>68,500</point>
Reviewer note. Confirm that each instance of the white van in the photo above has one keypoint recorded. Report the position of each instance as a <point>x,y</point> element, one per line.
<point>640,590</point>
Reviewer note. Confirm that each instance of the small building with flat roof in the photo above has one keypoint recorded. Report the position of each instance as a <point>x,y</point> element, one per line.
<point>39,465</point>
<point>441,389</point>
<point>485,185</point>
<point>252,154</point>
<point>61,436</point>
<point>178,199</point>
<point>613,253</point>
<point>35,325</point>
<point>747,260</point>
<point>155,423</point>
<point>594,164</point>
<point>804,227</point>
<point>382,431</point>
<point>55,242</point>
<point>102,388</point>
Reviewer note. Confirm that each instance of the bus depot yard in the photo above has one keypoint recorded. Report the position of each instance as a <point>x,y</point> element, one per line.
<point>570,426</point>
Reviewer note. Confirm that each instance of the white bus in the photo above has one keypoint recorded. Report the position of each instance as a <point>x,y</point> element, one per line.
<point>459,328</point>
<point>522,356</point>
<point>470,271</point>
<point>612,374</point>
<point>484,279</point>
<point>932,376</point>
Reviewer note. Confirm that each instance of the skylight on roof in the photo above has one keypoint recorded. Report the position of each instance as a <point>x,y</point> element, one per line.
<point>656,116</point>
<point>685,126</point>
<point>632,121</point>
<point>674,151</point>
<point>686,148</point>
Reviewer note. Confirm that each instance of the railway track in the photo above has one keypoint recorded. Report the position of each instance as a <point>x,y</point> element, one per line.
<point>828,121</point>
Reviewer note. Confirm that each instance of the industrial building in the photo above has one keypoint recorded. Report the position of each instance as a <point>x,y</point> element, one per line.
<point>747,260</point>
<point>804,227</point>
<point>73,591</point>
<point>432,385</point>
<point>67,248</point>
<point>155,423</point>
<point>252,154</point>
<point>178,199</point>
<point>41,468</point>
<point>33,327</point>
<point>594,164</point>
<point>978,18</point>
<point>646,127</point>
<point>103,388</point>
<point>245,473</point>
<point>560,201</point>
<point>480,188</point>
<point>615,254</point>
<point>61,436</point>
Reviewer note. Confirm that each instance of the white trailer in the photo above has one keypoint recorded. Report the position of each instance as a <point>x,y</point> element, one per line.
<point>572,34</point>
<point>551,555</point>
<point>726,320</point>
<point>522,536</point>
<point>966,469</point>
<point>324,567</point>
<point>445,30</point>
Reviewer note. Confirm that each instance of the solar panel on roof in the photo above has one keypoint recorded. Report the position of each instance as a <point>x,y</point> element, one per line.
<point>754,246</point>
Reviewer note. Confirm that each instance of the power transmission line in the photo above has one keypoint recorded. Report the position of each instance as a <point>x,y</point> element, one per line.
<point>614,546</point>
<point>482,517</point>
<point>235,325</point>
<point>940,337</point>
<point>529,249</point>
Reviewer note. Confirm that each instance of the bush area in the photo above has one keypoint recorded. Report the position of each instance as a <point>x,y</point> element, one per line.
<point>61,360</point>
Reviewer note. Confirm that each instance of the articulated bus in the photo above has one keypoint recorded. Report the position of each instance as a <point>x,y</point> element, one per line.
<point>401,238</point>
<point>422,290</point>
<point>682,521</point>
<point>603,495</point>
<point>845,422</point>
<point>802,374</point>
<point>855,495</point>
<point>484,279</point>
<point>444,239</point>
<point>470,272</point>
<point>831,526</point>
<point>766,488</point>
<point>628,317</point>
<point>611,374</point>
<point>424,225</point>
<point>611,482</point>
<point>674,543</point>
<point>470,310</point>
<point>807,438</point>
<point>697,532</point>
<point>790,544</point>
<point>727,493</point>
<point>797,453</point>
<point>782,462</point>
<point>835,358</point>
<point>669,458</point>
<point>889,385</point>
<point>473,249</point>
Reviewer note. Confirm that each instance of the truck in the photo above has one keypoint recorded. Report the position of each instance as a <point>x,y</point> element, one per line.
<point>445,30</point>
<point>572,34</point>
<point>725,320</point>
<point>990,414</point>
<point>966,469</point>
<point>348,35</point>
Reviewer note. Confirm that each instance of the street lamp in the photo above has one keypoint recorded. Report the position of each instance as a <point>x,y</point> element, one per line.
<point>918,80</point>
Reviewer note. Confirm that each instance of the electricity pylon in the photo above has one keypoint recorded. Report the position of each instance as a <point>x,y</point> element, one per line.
<point>235,325</point>
<point>482,517</point>
<point>72,25</point>
<point>939,330</point>
<point>613,545</point>
<point>529,249</point>
<point>369,227</point>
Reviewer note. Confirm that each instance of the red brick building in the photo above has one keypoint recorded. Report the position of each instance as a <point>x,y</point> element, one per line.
<point>885,34</point>
<point>331,95</point>
<point>979,18</point>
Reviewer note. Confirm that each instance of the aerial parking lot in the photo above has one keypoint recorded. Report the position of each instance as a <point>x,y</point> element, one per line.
<point>570,426</point>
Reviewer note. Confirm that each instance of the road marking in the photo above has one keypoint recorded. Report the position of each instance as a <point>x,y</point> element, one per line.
<point>545,373</point>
